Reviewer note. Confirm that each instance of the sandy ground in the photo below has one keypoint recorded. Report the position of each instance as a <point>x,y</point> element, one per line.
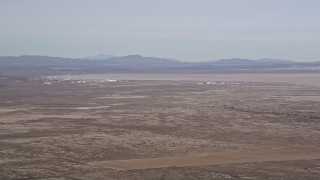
<point>232,130</point>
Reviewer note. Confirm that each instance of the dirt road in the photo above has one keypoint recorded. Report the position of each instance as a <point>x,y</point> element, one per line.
<point>211,159</point>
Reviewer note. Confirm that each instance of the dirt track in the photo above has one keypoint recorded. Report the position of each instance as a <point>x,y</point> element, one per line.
<point>212,159</point>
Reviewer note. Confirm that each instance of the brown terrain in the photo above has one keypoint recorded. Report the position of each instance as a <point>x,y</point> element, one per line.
<point>160,126</point>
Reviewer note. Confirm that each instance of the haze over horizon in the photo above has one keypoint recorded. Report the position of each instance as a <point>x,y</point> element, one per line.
<point>190,30</point>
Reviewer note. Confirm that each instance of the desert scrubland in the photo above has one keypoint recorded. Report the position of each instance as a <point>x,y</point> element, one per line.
<point>160,126</point>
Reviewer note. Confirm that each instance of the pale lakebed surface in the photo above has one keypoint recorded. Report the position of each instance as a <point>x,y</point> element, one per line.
<point>296,78</point>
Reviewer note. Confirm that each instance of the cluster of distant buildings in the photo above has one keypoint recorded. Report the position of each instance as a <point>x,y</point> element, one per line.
<point>52,80</point>
<point>219,83</point>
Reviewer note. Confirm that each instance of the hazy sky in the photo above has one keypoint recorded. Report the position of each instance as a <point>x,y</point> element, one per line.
<point>182,29</point>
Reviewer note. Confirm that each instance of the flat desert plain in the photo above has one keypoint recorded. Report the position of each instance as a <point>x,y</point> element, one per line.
<point>160,126</point>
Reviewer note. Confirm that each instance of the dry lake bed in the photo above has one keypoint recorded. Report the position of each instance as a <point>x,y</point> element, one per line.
<point>160,126</point>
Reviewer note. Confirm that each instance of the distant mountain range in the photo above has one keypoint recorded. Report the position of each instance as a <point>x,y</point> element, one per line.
<point>239,61</point>
<point>138,59</point>
<point>151,60</point>
<point>99,57</point>
<point>131,60</point>
<point>138,63</point>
